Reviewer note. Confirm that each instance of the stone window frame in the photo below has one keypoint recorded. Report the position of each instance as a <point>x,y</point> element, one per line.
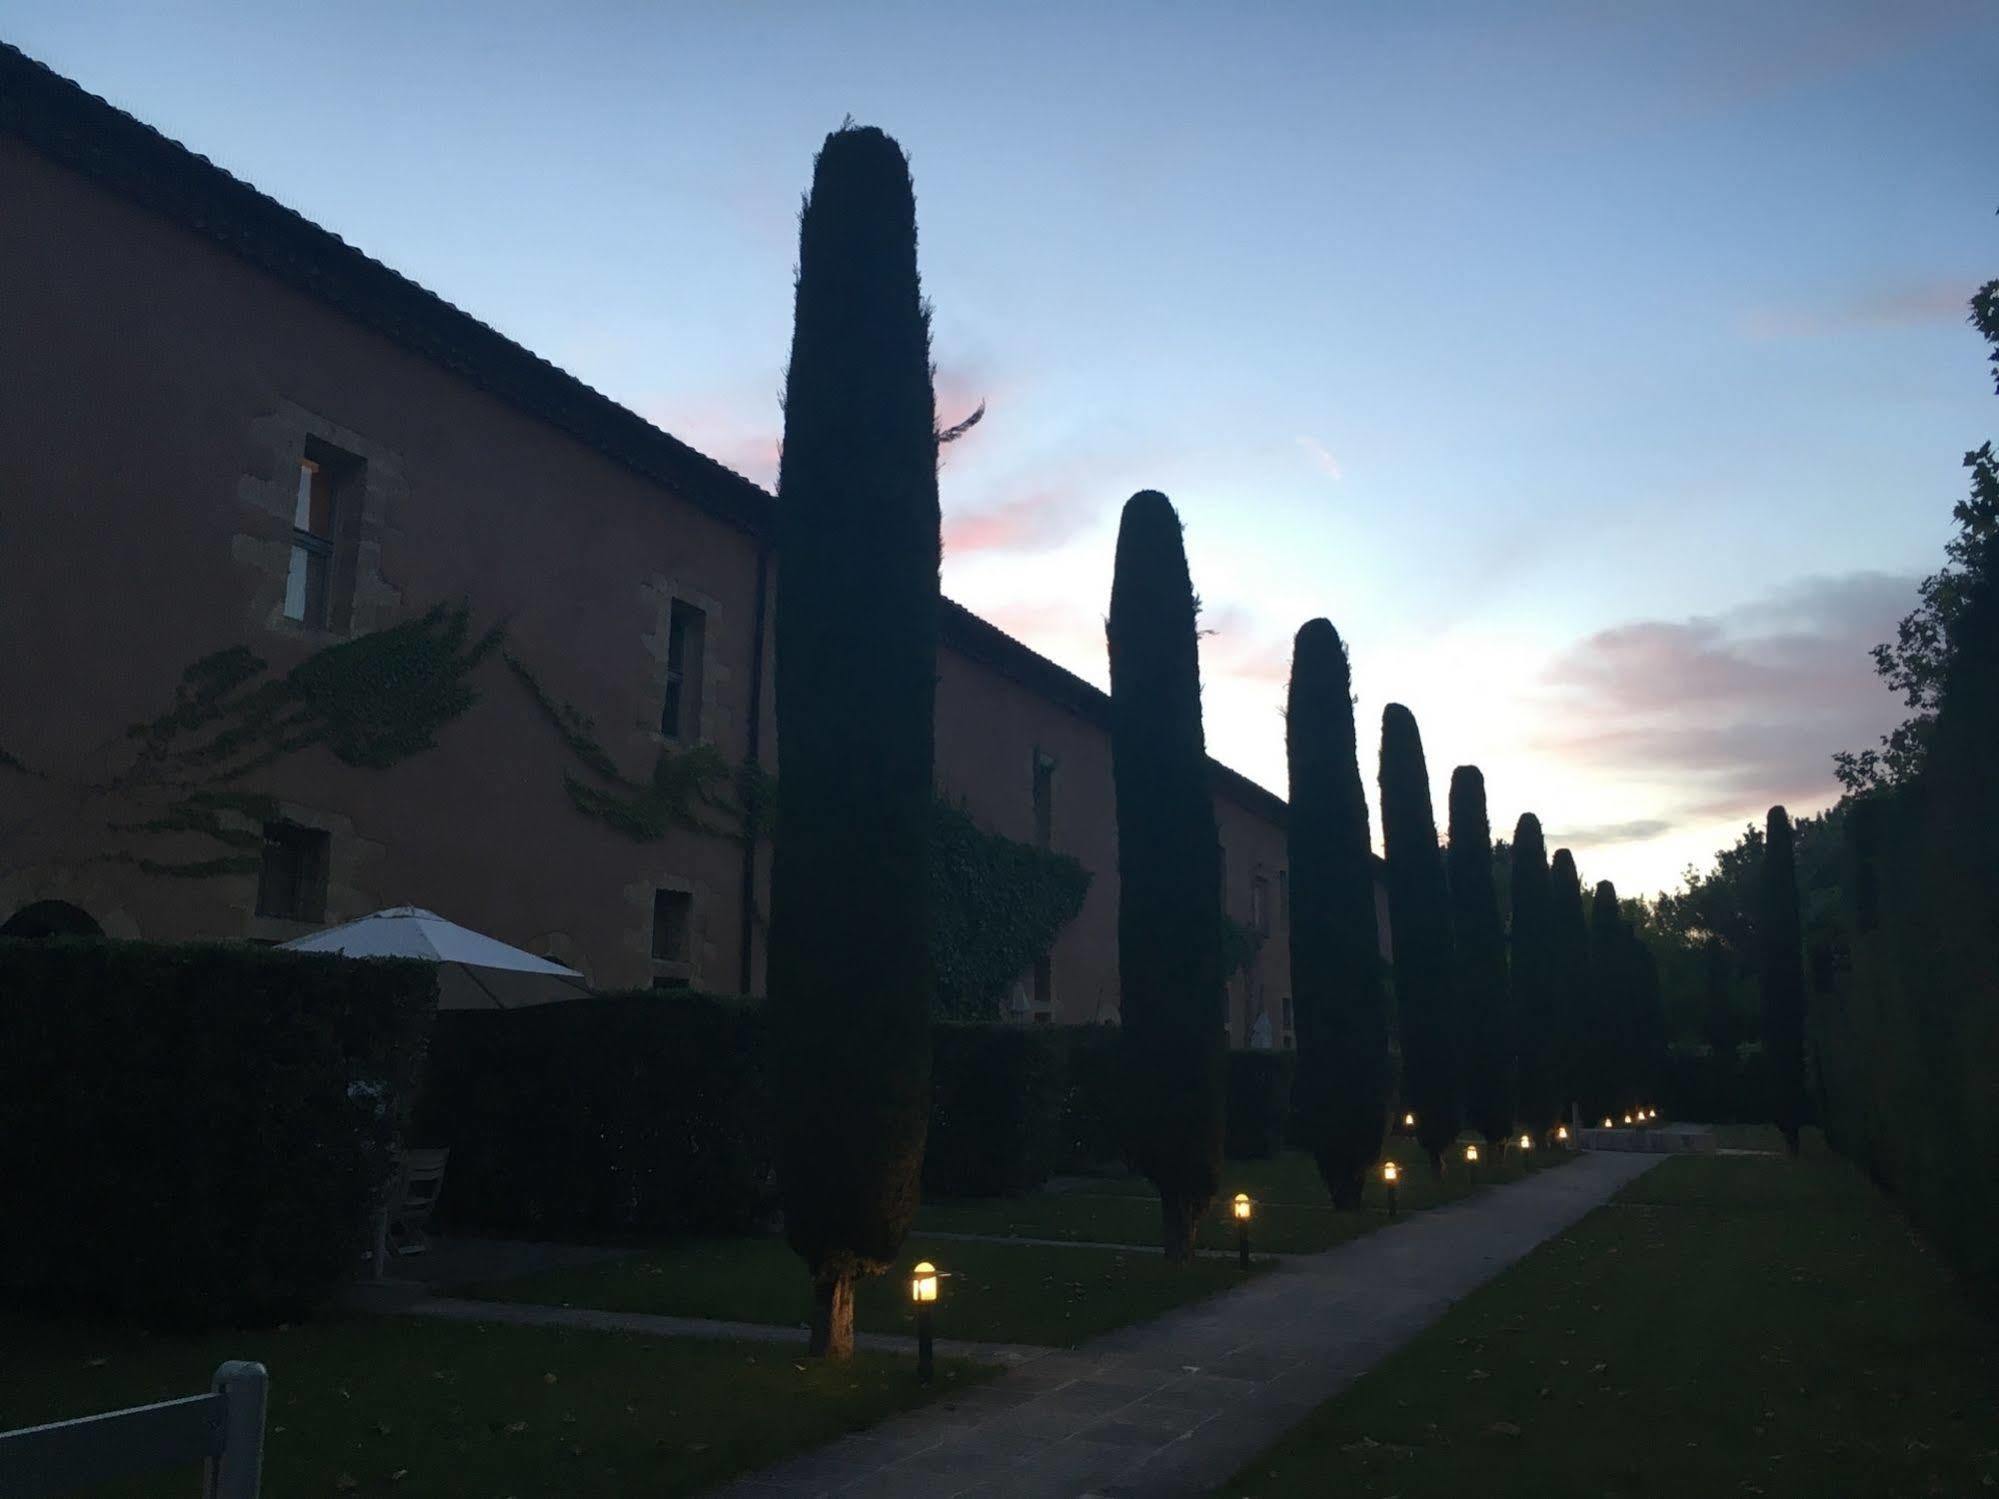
<point>366,500</point>
<point>657,596</point>
<point>675,973</point>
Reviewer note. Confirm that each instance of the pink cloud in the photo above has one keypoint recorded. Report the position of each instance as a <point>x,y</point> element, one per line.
<point>1911,304</point>
<point>1322,459</point>
<point>1036,521</point>
<point>1235,645</point>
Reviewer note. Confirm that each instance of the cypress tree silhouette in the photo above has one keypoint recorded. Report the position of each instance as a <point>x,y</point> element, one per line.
<point>1783,975</point>
<point>1419,915</point>
<point>1648,1024</point>
<point>1608,1050</point>
<point>1491,1056</point>
<point>1169,876</point>
<point>1531,975</point>
<point>850,974</point>
<point>1574,1012</point>
<point>1340,1095</point>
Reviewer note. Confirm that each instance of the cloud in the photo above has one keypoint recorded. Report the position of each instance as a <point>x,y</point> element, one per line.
<point>1909,304</point>
<point>1036,521</point>
<point>1729,712</point>
<point>1604,834</point>
<point>1322,460</point>
<point>1235,645</point>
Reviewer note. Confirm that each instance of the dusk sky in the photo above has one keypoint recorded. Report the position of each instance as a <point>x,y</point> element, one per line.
<point>1601,371</point>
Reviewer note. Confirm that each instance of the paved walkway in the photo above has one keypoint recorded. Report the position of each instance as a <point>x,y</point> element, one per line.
<point>1172,1407</point>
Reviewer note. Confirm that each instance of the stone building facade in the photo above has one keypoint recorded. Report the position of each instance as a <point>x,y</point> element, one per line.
<point>229,437</point>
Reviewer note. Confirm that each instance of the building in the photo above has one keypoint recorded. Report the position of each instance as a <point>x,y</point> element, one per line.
<point>230,443</point>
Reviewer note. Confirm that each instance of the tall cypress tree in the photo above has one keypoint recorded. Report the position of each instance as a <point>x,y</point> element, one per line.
<point>1572,983</point>
<point>1783,975</point>
<point>1169,876</point>
<point>1340,1097</point>
<point>1491,1055</point>
<point>1531,975</point>
<point>1608,1088</point>
<point>1419,915</point>
<point>850,974</point>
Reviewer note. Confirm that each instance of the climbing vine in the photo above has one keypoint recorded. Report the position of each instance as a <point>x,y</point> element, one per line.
<point>996,906</point>
<point>686,789</point>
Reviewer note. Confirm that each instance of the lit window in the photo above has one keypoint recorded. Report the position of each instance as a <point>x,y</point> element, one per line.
<point>686,638</point>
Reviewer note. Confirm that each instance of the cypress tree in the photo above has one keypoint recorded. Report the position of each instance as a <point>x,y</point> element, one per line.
<point>1572,983</point>
<point>1607,1088</point>
<point>1419,914</point>
<point>1531,976</point>
<point>1169,876</point>
<point>1340,1096</point>
<point>1479,940</point>
<point>850,974</point>
<point>1783,975</point>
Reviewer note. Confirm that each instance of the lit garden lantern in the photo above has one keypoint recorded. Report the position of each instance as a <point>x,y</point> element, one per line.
<point>1607,1124</point>
<point>1391,1174</point>
<point>1627,1118</point>
<point>1241,1208</point>
<point>923,1291</point>
<point>1471,1163</point>
<point>1408,1124</point>
<point>1561,1134</point>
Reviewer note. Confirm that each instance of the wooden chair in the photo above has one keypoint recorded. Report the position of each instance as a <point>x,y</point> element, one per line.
<point>406,1208</point>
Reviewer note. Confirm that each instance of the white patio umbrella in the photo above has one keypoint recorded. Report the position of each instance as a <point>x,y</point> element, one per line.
<point>474,972</point>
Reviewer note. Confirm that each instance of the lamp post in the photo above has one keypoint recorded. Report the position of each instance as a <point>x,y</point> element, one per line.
<point>1241,1207</point>
<point>1391,1174</point>
<point>1609,1124</point>
<point>1526,1144</point>
<point>923,1291</point>
<point>1562,1135</point>
<point>1408,1124</point>
<point>1471,1164</point>
<point>1627,1118</point>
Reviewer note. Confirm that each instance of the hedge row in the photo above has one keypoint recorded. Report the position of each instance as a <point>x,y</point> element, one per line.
<point>648,1114</point>
<point>194,1135</point>
<point>1720,1087</point>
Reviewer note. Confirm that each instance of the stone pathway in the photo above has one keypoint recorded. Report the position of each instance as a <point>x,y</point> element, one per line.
<point>1174,1406</point>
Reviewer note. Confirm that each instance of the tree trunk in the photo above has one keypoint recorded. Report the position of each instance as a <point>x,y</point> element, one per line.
<point>833,1318</point>
<point>1178,1222</point>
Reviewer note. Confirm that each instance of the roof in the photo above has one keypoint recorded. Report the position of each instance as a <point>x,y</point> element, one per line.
<point>127,157</point>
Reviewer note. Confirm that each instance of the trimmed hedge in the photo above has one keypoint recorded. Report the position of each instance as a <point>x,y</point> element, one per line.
<point>1259,1102</point>
<point>994,1122</point>
<point>634,1113</point>
<point>1716,1087</point>
<point>193,1135</point>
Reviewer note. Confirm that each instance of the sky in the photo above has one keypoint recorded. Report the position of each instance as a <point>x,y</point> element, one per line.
<point>1601,371</point>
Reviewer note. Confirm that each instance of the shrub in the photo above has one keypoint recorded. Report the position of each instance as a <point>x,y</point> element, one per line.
<point>1087,1107</point>
<point>195,1134</point>
<point>994,1117</point>
<point>1259,1103</point>
<point>643,1112</point>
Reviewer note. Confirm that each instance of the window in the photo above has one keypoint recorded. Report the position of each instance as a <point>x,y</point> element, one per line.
<point>1259,904</point>
<point>292,884</point>
<point>671,910</point>
<point>1284,897</point>
<point>1044,987</point>
<point>1044,800</point>
<point>1225,878</point>
<point>686,637</point>
<point>309,584</point>
<point>1290,1023</point>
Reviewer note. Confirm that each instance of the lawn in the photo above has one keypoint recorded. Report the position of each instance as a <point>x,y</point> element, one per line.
<point>999,1293</point>
<point>1725,1326</point>
<point>1293,1213</point>
<point>404,1406</point>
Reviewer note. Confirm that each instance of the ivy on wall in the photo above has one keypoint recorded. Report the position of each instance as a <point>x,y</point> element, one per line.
<point>1240,945</point>
<point>996,906</point>
<point>686,789</point>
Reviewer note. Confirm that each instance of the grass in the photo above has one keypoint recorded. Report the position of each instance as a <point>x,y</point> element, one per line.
<point>998,1293</point>
<point>1725,1326</point>
<point>1294,1215</point>
<point>378,1406</point>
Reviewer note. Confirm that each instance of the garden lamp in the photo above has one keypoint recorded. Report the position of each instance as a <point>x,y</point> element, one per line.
<point>1391,1174</point>
<point>923,1291</point>
<point>1471,1163</point>
<point>1241,1208</point>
